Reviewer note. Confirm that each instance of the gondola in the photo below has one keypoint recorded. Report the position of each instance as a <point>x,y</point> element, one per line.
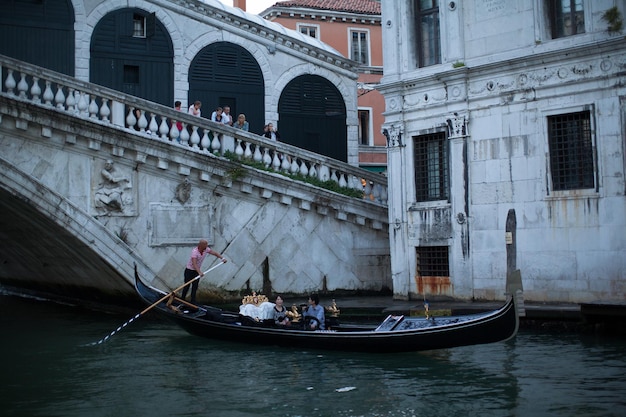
<point>396,333</point>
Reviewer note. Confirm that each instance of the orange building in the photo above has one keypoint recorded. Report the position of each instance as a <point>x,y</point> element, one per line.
<point>353,28</point>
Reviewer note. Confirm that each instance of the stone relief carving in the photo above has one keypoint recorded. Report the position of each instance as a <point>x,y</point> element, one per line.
<point>113,194</point>
<point>183,191</point>
<point>457,126</point>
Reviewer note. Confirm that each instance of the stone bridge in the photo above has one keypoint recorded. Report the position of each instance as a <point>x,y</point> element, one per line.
<point>88,190</point>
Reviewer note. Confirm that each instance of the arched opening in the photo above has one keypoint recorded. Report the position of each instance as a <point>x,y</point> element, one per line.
<point>313,117</point>
<point>225,74</point>
<point>131,51</point>
<point>39,32</point>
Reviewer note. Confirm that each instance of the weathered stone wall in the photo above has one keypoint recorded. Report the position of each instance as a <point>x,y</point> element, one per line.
<point>163,199</point>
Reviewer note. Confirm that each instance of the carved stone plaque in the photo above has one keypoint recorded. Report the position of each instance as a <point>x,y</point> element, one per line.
<point>173,225</point>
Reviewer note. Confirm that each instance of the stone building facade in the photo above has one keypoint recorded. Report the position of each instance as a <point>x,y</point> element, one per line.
<point>188,50</point>
<point>498,105</point>
<point>354,29</point>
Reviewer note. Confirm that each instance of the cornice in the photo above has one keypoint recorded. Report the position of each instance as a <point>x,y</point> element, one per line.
<point>322,15</point>
<point>226,19</point>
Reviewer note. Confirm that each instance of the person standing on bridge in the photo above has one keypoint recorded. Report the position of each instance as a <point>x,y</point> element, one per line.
<point>194,266</point>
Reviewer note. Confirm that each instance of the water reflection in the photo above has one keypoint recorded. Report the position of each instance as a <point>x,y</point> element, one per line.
<point>153,368</point>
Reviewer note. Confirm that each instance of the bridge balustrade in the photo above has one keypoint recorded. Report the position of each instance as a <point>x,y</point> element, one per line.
<point>47,88</point>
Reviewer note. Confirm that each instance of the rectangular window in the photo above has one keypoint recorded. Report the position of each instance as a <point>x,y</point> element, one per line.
<point>139,26</point>
<point>571,151</point>
<point>432,261</point>
<point>364,127</point>
<point>359,47</point>
<point>309,30</point>
<point>431,167</point>
<point>131,74</point>
<point>567,17</point>
<point>427,28</point>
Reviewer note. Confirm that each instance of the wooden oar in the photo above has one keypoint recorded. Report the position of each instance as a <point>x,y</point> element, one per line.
<point>104,339</point>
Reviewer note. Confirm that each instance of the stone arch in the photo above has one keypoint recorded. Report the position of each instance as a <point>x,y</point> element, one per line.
<point>105,8</point>
<point>140,65</point>
<point>39,33</point>
<point>313,116</point>
<point>226,74</point>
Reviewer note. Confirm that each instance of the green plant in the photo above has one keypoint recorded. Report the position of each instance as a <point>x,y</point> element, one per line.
<point>458,64</point>
<point>614,18</point>
<point>330,185</point>
<point>236,173</point>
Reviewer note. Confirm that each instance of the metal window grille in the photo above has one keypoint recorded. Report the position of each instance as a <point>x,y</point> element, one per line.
<point>432,261</point>
<point>571,151</point>
<point>427,32</point>
<point>431,167</point>
<point>567,17</point>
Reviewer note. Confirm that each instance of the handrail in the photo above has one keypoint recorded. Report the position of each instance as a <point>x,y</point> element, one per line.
<point>51,89</point>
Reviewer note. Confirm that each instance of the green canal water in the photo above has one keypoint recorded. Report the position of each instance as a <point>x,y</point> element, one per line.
<point>152,368</point>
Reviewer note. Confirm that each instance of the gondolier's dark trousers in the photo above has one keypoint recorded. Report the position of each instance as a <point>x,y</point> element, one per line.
<point>189,275</point>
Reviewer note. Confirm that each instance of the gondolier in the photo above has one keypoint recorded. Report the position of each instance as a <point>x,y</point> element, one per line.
<point>194,266</point>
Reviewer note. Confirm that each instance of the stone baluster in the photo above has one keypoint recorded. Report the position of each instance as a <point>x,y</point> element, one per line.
<point>205,142</point>
<point>131,119</point>
<point>313,171</point>
<point>238,148</point>
<point>153,126</point>
<point>333,175</point>
<point>276,161</point>
<point>83,105</point>
<point>48,96</point>
<point>323,173</point>
<point>184,135</point>
<point>22,86</point>
<point>93,107</point>
<point>164,128</point>
<point>195,138</point>
<point>216,145</point>
<point>174,132</point>
<point>35,90</point>
<point>285,166</point>
<point>294,167</point>
<point>267,159</point>
<point>257,154</point>
<point>304,170</point>
<point>142,123</point>
<point>70,101</point>
<point>105,111</point>
<point>10,83</point>
<point>248,152</point>
<point>59,98</point>
<point>342,181</point>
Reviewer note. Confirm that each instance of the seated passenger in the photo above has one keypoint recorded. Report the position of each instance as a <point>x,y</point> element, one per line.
<point>314,314</point>
<point>280,313</point>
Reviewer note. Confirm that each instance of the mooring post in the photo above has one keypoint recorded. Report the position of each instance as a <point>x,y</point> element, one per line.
<point>511,245</point>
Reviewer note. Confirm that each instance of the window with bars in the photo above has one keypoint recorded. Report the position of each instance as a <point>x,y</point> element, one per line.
<point>359,47</point>
<point>431,167</point>
<point>571,151</point>
<point>432,261</point>
<point>567,17</point>
<point>428,41</point>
